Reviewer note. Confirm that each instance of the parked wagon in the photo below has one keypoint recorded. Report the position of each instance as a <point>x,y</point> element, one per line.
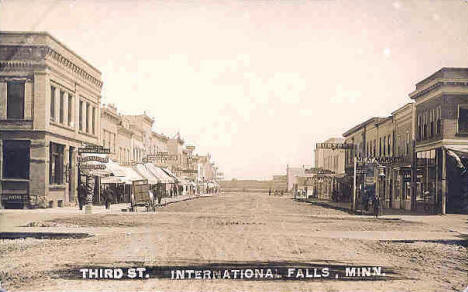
<point>142,196</point>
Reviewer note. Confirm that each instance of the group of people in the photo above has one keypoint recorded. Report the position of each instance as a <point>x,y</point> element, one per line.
<point>109,193</point>
<point>370,198</point>
<point>276,193</point>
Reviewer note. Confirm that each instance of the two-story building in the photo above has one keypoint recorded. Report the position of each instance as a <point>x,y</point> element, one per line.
<point>441,128</point>
<point>49,107</point>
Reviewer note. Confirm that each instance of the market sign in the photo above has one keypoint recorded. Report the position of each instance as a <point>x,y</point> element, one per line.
<point>334,146</point>
<point>380,160</point>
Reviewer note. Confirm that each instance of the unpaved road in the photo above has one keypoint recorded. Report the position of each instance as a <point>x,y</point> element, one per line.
<point>240,228</point>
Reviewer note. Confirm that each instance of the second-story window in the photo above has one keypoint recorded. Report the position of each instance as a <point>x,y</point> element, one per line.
<point>93,121</point>
<point>438,121</point>
<point>61,106</point>
<point>15,100</point>
<point>81,116</point>
<point>407,143</point>
<point>70,110</point>
<point>389,146</point>
<point>87,117</point>
<point>431,127</point>
<point>425,125</point>
<point>52,103</point>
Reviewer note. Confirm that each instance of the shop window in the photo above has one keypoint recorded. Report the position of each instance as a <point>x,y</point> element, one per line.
<point>52,103</point>
<point>15,100</point>
<point>16,159</point>
<point>463,119</point>
<point>56,164</point>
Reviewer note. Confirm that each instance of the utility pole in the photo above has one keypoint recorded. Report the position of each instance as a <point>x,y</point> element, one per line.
<point>353,206</point>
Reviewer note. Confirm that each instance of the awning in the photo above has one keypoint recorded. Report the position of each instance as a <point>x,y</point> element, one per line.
<point>160,174</point>
<point>113,180</point>
<point>115,168</point>
<point>120,174</point>
<point>171,174</point>
<point>143,171</point>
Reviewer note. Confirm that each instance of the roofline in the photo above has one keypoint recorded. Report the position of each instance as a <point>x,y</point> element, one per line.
<point>54,39</point>
<point>438,71</point>
<point>402,108</point>
<point>384,120</point>
<point>359,126</point>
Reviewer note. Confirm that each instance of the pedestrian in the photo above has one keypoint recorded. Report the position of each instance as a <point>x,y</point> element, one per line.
<point>82,191</point>
<point>376,205</point>
<point>107,195</point>
<point>269,192</point>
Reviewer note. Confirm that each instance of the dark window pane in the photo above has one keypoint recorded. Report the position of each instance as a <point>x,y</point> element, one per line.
<point>87,117</point>
<point>52,103</point>
<point>15,100</point>
<point>463,120</point>
<point>61,109</point>
<point>56,163</point>
<point>16,159</point>
<point>70,103</point>
<point>81,116</point>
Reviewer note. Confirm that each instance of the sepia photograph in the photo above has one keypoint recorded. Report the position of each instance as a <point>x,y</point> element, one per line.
<point>234,145</point>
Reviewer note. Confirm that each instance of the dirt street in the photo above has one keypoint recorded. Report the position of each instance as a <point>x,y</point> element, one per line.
<point>239,228</point>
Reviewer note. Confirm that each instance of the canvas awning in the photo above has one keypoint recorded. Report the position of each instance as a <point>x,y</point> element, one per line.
<point>144,172</point>
<point>113,180</point>
<point>159,173</point>
<point>120,174</point>
<point>171,174</point>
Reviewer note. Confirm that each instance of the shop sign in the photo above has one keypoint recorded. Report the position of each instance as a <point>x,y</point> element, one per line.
<point>380,160</point>
<point>93,158</point>
<point>92,166</point>
<point>334,146</point>
<point>12,197</point>
<point>94,149</point>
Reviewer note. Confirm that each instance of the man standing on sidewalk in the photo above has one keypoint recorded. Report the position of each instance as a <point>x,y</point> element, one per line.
<point>81,195</point>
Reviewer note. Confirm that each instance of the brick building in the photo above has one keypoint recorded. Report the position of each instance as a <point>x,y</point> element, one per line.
<point>49,106</point>
<point>441,128</point>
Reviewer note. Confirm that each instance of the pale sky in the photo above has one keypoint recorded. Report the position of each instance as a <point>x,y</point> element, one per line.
<point>255,83</point>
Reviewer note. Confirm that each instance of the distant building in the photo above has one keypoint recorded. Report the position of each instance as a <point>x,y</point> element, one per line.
<point>292,173</point>
<point>280,183</point>
<point>332,159</point>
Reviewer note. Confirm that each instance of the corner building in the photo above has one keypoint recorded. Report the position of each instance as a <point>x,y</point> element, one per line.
<point>49,107</point>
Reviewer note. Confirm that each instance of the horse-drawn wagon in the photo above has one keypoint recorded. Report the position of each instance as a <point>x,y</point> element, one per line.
<point>142,196</point>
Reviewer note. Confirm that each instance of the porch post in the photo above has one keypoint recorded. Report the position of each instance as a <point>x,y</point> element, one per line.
<point>444,182</point>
